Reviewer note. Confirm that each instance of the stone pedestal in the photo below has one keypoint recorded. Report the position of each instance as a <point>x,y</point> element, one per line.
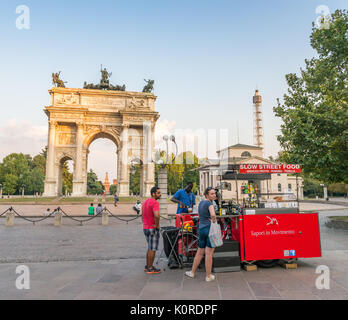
<point>9,219</point>
<point>78,189</point>
<point>50,188</point>
<point>124,189</point>
<point>105,218</point>
<point>58,217</point>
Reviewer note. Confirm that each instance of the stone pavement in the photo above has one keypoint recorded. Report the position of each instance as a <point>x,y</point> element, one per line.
<point>96,262</point>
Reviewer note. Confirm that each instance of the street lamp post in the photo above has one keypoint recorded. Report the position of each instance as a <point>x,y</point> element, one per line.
<point>23,191</point>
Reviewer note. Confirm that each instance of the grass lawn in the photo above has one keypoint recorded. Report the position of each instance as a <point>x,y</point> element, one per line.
<point>339,218</point>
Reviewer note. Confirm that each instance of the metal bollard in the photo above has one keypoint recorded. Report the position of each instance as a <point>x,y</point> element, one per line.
<point>105,218</point>
<point>58,219</point>
<point>9,219</point>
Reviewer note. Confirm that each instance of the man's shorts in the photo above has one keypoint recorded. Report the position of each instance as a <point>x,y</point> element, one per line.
<point>203,238</point>
<point>152,237</point>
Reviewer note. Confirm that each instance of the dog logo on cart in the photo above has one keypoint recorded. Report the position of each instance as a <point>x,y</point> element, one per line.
<point>272,221</point>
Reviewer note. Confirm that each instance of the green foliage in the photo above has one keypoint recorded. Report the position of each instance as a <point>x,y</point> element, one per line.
<point>312,188</point>
<point>93,185</point>
<point>179,171</point>
<point>17,170</point>
<point>113,189</point>
<point>338,189</point>
<point>134,183</point>
<point>36,179</point>
<point>10,183</point>
<point>67,178</point>
<point>315,110</point>
<point>39,162</point>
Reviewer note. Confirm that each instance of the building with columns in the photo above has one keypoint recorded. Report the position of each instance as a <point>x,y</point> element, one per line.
<point>213,174</point>
<point>77,117</point>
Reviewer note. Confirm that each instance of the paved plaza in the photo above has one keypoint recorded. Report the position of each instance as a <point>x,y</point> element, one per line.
<point>106,262</point>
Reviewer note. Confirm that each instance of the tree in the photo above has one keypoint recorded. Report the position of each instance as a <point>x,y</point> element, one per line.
<point>93,185</point>
<point>113,189</point>
<point>10,183</point>
<point>37,181</point>
<point>134,183</point>
<point>39,161</point>
<point>17,165</point>
<point>338,188</point>
<point>315,110</point>
<point>312,187</point>
<point>191,162</point>
<point>180,171</point>
<point>67,178</point>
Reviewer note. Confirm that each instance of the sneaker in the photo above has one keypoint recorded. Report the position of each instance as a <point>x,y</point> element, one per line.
<point>153,270</point>
<point>210,278</point>
<point>145,269</point>
<point>190,274</point>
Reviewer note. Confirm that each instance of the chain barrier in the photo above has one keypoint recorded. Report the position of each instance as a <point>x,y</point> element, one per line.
<point>30,220</point>
<point>79,220</point>
<point>116,217</point>
<point>5,212</point>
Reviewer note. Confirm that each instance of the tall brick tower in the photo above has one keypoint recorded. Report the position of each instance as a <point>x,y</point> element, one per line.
<point>258,123</point>
<point>106,184</point>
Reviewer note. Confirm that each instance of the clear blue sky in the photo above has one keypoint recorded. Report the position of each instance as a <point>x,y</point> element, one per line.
<point>206,57</point>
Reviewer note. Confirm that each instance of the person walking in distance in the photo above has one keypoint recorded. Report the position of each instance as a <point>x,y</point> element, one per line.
<point>151,227</point>
<point>115,199</point>
<point>207,215</point>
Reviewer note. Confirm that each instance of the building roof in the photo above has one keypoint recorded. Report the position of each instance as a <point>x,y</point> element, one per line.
<point>235,160</point>
<point>241,146</point>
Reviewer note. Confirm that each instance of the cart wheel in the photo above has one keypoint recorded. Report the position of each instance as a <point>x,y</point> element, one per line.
<point>267,263</point>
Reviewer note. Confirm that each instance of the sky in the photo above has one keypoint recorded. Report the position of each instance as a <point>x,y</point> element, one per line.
<point>206,57</point>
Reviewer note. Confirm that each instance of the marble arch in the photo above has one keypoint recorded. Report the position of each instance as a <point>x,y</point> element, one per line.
<point>77,117</point>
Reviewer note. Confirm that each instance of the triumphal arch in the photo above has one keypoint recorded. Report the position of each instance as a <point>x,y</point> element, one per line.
<point>79,116</point>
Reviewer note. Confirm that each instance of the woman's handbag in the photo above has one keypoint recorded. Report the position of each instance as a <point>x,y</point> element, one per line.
<point>215,236</point>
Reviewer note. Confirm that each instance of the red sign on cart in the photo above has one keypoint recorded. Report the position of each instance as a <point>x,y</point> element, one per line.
<point>270,168</point>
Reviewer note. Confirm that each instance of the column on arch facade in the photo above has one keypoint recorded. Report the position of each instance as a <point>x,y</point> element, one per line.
<point>50,189</point>
<point>124,166</point>
<point>78,181</point>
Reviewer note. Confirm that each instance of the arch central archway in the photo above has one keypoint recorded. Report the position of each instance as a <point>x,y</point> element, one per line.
<point>77,117</point>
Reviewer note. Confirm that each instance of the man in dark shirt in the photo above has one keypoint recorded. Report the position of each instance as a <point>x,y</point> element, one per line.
<point>184,198</point>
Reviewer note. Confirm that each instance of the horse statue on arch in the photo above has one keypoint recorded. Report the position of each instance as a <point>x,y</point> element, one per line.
<point>57,81</point>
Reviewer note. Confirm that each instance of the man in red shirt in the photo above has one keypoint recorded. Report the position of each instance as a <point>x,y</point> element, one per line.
<point>151,228</point>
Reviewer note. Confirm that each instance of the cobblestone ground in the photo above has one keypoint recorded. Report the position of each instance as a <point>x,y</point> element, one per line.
<point>106,262</point>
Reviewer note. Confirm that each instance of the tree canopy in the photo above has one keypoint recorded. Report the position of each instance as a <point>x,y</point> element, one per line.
<point>314,132</point>
<point>18,170</point>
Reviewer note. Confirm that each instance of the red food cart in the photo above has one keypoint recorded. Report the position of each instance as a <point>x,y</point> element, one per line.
<point>261,235</point>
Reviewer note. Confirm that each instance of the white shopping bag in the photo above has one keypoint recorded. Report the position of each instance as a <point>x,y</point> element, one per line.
<point>215,235</point>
